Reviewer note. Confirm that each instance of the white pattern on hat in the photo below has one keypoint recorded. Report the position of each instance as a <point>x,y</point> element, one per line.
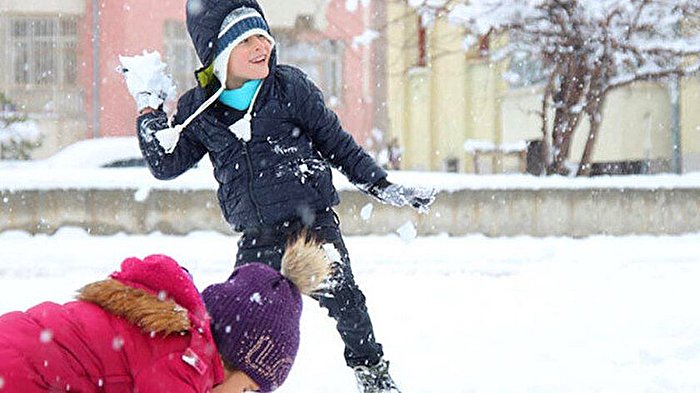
<point>236,16</point>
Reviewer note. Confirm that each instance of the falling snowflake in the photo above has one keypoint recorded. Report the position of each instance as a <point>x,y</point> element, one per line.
<point>46,336</point>
<point>256,298</point>
<point>366,211</point>
<point>407,231</point>
<point>142,194</point>
<point>117,343</point>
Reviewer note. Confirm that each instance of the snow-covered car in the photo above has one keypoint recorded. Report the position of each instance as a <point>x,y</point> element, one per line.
<point>102,163</point>
<point>108,152</point>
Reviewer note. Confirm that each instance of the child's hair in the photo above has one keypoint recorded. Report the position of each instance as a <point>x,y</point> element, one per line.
<point>228,366</point>
<point>255,314</point>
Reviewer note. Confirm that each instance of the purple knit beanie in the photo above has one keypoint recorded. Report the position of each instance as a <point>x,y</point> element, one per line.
<point>255,323</point>
<point>255,314</point>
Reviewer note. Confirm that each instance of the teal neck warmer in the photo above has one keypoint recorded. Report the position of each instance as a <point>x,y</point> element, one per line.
<point>240,98</point>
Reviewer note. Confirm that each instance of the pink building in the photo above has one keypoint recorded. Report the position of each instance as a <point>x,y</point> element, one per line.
<point>125,28</point>
<point>67,82</point>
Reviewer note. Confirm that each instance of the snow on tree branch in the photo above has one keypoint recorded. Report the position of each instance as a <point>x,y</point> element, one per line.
<point>429,9</point>
<point>635,32</point>
<point>653,74</point>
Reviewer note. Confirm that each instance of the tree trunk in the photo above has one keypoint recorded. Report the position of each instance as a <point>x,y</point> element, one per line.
<point>565,123</point>
<point>567,116</point>
<point>544,146</point>
<point>595,118</point>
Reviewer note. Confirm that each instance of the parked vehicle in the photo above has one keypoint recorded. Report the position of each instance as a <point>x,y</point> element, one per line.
<point>108,152</point>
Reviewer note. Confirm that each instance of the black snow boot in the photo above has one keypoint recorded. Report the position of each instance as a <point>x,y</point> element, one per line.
<point>375,379</point>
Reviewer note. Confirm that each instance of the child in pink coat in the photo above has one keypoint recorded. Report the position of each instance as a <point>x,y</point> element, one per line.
<point>147,329</point>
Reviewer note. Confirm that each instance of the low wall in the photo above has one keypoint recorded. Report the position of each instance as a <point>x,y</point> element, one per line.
<point>511,212</point>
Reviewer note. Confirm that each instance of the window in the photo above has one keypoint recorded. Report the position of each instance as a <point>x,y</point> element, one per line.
<point>451,165</point>
<point>43,51</point>
<point>41,63</point>
<point>322,61</point>
<point>180,56</point>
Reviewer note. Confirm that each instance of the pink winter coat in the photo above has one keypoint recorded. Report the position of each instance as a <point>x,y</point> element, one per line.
<point>143,330</point>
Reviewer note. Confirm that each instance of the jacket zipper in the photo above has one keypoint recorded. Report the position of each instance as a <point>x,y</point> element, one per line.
<point>250,182</point>
<point>250,173</point>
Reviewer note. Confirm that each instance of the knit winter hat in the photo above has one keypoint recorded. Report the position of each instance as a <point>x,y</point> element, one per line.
<point>165,278</point>
<point>255,314</point>
<point>241,23</point>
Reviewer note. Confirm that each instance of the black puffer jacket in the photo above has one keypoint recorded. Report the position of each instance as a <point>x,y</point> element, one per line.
<point>283,172</point>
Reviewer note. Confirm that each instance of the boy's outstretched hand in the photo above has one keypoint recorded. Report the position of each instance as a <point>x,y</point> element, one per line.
<point>398,195</point>
<point>146,80</point>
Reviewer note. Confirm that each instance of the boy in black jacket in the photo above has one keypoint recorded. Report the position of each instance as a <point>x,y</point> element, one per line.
<point>272,141</point>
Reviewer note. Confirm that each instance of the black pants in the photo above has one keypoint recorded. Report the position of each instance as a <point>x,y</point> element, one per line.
<point>345,302</point>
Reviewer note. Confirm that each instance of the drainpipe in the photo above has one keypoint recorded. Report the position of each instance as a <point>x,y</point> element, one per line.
<point>380,117</point>
<point>676,158</point>
<point>675,93</point>
<point>95,68</point>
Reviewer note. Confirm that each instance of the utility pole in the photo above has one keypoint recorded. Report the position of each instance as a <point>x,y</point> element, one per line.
<point>675,94</point>
<point>677,155</point>
<point>96,68</point>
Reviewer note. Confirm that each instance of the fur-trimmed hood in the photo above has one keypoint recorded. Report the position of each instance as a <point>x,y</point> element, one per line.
<point>151,313</point>
<point>155,294</point>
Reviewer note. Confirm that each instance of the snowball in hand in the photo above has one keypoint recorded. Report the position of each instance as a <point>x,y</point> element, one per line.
<point>146,79</point>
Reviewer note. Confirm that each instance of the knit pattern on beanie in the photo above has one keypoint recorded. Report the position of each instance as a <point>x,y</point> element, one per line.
<point>241,23</point>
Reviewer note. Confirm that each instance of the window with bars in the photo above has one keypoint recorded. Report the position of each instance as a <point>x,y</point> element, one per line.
<point>42,50</point>
<point>180,55</point>
<point>321,61</point>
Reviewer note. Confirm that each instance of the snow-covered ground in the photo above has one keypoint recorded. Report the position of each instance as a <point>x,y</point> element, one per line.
<point>468,314</point>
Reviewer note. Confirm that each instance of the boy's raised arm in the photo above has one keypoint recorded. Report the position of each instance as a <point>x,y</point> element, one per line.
<point>335,144</point>
<point>168,154</point>
<point>339,147</point>
<point>186,153</point>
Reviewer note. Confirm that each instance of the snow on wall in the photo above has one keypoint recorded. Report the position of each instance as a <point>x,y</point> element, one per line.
<point>14,179</point>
